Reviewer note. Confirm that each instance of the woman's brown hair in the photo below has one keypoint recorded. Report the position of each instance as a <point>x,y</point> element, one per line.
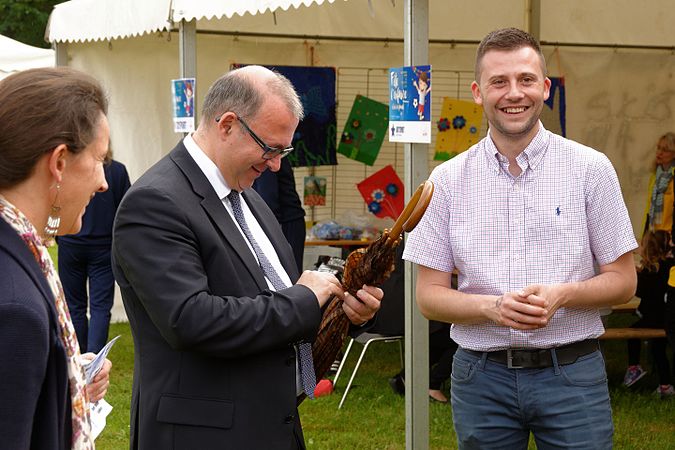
<point>654,249</point>
<point>41,109</point>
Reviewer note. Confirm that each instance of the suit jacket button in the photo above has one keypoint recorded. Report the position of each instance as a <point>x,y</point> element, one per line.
<point>289,419</point>
<point>290,361</point>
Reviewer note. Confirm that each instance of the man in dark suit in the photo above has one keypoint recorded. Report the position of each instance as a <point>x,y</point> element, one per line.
<point>210,286</point>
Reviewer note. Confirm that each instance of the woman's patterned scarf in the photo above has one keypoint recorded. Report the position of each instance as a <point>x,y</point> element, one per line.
<point>82,439</point>
<point>663,177</point>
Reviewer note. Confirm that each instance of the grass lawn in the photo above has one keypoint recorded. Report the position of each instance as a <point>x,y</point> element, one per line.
<point>374,418</point>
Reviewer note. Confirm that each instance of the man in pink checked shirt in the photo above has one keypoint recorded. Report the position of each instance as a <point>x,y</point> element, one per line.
<point>537,228</point>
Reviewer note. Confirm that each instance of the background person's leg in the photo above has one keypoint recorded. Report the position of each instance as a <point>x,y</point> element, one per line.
<point>101,297</point>
<point>634,372</point>
<point>73,275</point>
<point>670,321</point>
<point>441,351</point>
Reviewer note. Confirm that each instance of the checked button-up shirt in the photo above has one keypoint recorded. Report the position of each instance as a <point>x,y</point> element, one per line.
<point>560,219</point>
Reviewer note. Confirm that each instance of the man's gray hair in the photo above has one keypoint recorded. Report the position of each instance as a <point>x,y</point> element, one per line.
<point>243,92</point>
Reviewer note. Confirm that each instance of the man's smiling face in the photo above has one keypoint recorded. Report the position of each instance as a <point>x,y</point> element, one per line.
<point>512,90</point>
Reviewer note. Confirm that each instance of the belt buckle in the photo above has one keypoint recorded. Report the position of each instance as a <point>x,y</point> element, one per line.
<point>509,360</point>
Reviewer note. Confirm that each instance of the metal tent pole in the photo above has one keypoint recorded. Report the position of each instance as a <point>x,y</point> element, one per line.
<point>187,47</point>
<point>416,168</point>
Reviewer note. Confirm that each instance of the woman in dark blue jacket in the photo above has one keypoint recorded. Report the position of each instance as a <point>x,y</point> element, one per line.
<point>53,140</point>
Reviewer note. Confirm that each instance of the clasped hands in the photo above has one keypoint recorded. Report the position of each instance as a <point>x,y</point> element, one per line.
<point>358,310</point>
<point>528,309</point>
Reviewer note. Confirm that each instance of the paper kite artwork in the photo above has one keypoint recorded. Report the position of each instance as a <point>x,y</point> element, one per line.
<point>383,193</point>
<point>458,127</point>
<point>365,130</point>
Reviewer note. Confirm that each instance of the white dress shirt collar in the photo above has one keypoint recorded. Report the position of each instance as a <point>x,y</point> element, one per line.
<point>208,167</point>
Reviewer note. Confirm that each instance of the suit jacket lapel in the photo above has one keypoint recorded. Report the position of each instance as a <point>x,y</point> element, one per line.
<point>216,211</point>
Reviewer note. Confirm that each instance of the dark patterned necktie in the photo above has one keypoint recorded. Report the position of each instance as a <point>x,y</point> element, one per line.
<point>307,376</point>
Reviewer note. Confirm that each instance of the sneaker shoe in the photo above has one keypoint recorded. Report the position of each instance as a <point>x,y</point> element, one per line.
<point>665,392</point>
<point>633,374</point>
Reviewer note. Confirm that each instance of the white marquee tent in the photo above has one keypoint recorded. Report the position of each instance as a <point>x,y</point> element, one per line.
<point>16,56</point>
<point>617,58</point>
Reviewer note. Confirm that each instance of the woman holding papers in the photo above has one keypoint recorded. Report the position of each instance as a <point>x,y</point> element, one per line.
<point>53,140</point>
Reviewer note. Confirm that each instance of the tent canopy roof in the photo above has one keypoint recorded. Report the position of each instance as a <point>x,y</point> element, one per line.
<point>114,19</point>
<point>15,56</point>
<point>600,22</point>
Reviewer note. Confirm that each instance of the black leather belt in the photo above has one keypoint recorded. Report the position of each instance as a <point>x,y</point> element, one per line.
<point>525,358</point>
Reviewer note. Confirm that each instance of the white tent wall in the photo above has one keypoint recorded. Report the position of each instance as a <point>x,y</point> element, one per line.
<point>448,19</point>
<point>136,75</point>
<point>620,22</point>
<point>620,102</point>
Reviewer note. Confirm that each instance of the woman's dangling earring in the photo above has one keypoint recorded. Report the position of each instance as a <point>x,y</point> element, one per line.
<point>54,219</point>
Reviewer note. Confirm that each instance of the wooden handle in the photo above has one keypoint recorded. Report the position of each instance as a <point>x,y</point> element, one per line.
<point>413,211</point>
<point>421,206</point>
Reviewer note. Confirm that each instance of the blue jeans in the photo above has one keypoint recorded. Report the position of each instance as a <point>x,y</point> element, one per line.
<point>495,407</point>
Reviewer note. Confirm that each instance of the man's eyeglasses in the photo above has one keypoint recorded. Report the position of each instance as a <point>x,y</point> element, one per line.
<point>268,152</point>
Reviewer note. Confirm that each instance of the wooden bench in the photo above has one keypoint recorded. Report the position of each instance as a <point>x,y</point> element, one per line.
<point>629,307</point>
<point>633,333</point>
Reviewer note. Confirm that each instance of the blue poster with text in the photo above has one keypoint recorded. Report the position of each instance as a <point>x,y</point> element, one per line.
<point>410,104</point>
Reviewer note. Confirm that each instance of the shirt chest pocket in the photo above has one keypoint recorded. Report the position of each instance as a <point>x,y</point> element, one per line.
<point>559,225</point>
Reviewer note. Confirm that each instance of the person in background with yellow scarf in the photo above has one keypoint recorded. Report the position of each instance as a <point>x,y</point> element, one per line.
<point>661,194</point>
<point>660,217</point>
